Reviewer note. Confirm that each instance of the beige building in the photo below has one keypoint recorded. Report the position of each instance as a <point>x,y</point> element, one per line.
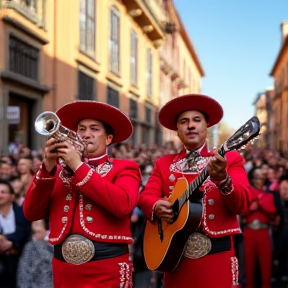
<point>181,70</point>
<point>263,110</point>
<point>106,50</point>
<point>279,117</point>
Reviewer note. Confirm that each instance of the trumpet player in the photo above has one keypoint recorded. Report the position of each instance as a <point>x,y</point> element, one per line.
<point>88,199</point>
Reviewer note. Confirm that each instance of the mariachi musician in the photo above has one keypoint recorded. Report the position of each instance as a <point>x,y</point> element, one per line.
<point>257,231</point>
<point>208,258</point>
<point>88,199</point>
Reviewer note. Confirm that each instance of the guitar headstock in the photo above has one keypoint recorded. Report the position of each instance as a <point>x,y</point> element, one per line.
<point>243,135</point>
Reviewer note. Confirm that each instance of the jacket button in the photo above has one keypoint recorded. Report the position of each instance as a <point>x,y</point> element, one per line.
<point>210,201</point>
<point>68,197</point>
<point>89,219</point>
<point>66,208</point>
<point>64,219</point>
<point>88,207</point>
<point>211,216</point>
<point>172,177</point>
<point>171,187</point>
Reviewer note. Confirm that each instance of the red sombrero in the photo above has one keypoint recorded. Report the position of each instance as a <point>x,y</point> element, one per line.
<point>71,113</point>
<point>171,110</point>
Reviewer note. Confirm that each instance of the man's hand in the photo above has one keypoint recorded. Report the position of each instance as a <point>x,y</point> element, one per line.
<point>254,206</point>
<point>217,167</point>
<point>162,209</point>
<point>70,155</point>
<point>51,153</point>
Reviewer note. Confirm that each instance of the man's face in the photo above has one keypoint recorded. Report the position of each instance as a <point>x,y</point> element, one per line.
<point>6,197</point>
<point>192,129</point>
<point>24,165</point>
<point>5,171</point>
<point>93,134</point>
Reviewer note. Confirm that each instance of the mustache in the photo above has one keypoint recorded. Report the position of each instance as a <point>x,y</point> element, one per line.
<point>88,142</point>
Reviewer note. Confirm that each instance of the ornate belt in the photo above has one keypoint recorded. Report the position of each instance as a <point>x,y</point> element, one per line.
<point>77,249</point>
<point>199,245</point>
<point>257,225</point>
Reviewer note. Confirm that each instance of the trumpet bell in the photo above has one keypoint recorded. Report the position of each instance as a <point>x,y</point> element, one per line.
<point>47,123</point>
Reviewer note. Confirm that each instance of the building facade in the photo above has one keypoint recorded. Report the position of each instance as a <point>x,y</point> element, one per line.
<point>181,70</point>
<point>279,117</point>
<point>105,50</point>
<point>263,110</point>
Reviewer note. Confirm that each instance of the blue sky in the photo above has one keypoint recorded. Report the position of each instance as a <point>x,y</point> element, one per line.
<point>237,42</point>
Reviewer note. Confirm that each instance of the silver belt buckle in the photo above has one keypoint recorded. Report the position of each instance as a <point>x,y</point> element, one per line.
<point>256,225</point>
<point>197,246</point>
<point>77,249</point>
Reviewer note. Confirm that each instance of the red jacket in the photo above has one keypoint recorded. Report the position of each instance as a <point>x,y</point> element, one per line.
<point>95,206</point>
<point>266,208</point>
<point>219,210</point>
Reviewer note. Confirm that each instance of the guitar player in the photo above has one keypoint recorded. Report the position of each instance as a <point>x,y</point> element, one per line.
<point>208,258</point>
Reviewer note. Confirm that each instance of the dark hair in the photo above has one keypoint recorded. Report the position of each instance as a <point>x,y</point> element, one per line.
<point>283,178</point>
<point>7,183</point>
<point>108,129</point>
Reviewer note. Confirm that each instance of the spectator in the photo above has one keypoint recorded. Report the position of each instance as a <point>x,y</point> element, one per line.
<point>283,238</point>
<point>18,188</point>
<point>15,232</point>
<point>35,264</point>
<point>24,167</point>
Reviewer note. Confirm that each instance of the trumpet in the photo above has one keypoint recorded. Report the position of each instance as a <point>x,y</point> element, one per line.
<point>49,124</point>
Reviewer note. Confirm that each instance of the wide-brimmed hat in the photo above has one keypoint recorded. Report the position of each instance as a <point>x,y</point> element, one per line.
<point>171,110</point>
<point>71,113</point>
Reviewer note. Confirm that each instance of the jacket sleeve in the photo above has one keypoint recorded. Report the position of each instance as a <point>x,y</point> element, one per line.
<point>37,198</point>
<point>238,200</point>
<point>152,191</point>
<point>266,204</point>
<point>120,196</point>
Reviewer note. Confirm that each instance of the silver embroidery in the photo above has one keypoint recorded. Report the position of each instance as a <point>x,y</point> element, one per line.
<point>234,270</point>
<point>125,275</point>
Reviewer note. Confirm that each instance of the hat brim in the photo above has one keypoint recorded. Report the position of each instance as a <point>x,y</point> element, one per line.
<point>71,113</point>
<point>169,113</point>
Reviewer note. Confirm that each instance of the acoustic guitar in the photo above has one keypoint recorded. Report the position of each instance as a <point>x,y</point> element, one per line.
<point>164,242</point>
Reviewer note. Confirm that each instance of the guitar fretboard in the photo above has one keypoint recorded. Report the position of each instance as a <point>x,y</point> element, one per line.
<point>196,184</point>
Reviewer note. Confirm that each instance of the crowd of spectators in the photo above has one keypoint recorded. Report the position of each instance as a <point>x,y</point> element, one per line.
<point>19,166</point>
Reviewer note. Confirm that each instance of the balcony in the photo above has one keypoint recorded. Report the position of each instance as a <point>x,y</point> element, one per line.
<point>27,8</point>
<point>149,16</point>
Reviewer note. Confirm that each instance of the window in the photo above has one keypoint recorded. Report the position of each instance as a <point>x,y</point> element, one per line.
<point>87,26</point>
<point>113,97</point>
<point>148,114</point>
<point>114,41</point>
<point>23,58</point>
<point>134,59</point>
<point>133,109</point>
<point>86,87</point>
<point>149,73</point>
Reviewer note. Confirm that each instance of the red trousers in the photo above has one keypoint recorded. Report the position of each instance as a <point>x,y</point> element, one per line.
<point>109,273</point>
<point>219,270</point>
<point>257,244</point>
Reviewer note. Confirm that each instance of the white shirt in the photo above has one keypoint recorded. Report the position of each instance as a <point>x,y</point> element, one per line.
<point>8,223</point>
